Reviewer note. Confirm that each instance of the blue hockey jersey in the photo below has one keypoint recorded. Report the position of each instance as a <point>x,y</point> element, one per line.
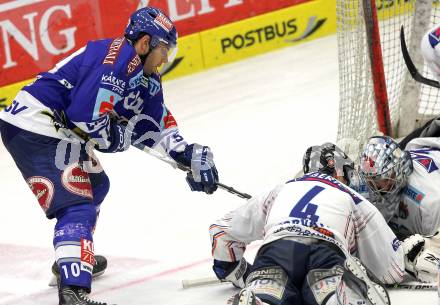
<point>104,79</point>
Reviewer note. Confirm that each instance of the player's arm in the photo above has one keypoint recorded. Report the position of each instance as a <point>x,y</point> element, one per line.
<point>156,128</point>
<point>92,110</point>
<point>378,247</point>
<point>430,129</point>
<point>232,233</point>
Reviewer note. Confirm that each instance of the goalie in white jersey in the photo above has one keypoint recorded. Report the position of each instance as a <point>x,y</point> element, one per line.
<point>403,180</point>
<point>311,227</point>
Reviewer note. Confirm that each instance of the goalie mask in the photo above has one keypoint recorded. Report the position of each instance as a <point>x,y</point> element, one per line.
<point>330,160</point>
<point>385,169</point>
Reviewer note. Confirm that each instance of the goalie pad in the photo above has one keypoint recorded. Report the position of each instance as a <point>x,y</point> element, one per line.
<point>356,287</point>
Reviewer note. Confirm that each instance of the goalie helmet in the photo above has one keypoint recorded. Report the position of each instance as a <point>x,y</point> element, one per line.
<point>385,169</point>
<point>153,22</point>
<point>330,160</point>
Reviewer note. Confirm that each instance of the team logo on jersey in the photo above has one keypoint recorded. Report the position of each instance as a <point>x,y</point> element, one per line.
<point>154,86</point>
<point>133,64</point>
<point>77,181</point>
<point>43,189</point>
<point>138,79</point>
<point>168,120</point>
<point>413,194</point>
<point>434,37</point>
<point>424,160</point>
<point>105,102</point>
<point>113,51</point>
<point>116,84</point>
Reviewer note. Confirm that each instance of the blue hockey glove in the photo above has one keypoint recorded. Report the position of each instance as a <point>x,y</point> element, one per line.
<point>234,272</point>
<point>116,138</point>
<point>203,176</point>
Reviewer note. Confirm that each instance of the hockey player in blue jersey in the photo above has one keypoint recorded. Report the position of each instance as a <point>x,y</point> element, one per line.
<point>104,96</point>
<point>310,227</point>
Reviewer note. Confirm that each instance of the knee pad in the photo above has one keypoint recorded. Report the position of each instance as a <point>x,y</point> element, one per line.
<point>268,283</point>
<point>100,186</point>
<point>323,283</point>
<point>73,243</point>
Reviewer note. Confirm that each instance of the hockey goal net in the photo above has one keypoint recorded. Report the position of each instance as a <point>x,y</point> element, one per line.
<point>377,94</point>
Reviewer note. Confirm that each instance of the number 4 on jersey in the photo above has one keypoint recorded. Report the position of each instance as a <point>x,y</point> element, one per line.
<point>304,208</point>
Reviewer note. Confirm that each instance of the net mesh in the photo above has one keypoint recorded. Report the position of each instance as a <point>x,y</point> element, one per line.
<point>357,110</point>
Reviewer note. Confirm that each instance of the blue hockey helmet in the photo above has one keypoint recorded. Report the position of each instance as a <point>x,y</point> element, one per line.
<point>153,22</point>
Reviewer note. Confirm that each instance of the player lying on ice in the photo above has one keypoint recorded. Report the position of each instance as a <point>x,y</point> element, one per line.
<point>101,92</point>
<point>311,227</point>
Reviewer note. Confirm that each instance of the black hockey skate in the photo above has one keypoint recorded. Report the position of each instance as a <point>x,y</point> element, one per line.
<point>98,269</point>
<point>357,287</point>
<point>71,295</point>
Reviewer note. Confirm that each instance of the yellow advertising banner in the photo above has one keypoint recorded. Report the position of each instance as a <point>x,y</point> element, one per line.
<point>267,32</point>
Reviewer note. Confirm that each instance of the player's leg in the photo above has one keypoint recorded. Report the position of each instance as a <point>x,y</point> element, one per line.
<point>100,187</point>
<point>62,193</point>
<point>334,279</point>
<point>324,271</point>
<point>277,272</point>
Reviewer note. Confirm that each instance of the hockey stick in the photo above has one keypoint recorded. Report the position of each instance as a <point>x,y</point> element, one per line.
<point>174,164</point>
<point>85,137</point>
<point>414,285</point>
<point>208,281</point>
<point>410,64</point>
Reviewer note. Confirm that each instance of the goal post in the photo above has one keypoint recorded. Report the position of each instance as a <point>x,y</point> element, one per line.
<point>377,94</point>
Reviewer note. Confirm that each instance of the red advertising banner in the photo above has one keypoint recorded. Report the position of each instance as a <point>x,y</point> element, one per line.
<point>36,34</point>
<point>193,16</point>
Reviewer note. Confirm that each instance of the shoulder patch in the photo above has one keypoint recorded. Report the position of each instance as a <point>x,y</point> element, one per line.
<point>133,64</point>
<point>113,51</point>
<point>424,159</point>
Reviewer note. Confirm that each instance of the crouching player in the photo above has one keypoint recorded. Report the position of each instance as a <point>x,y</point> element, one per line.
<point>312,227</point>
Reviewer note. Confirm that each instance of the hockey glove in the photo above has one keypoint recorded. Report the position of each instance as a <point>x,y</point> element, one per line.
<point>116,138</point>
<point>234,272</point>
<point>203,176</point>
<point>420,262</point>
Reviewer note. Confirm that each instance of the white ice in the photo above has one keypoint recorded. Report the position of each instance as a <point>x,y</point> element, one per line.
<point>258,116</point>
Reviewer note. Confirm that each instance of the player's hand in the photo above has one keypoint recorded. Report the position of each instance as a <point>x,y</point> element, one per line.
<point>234,272</point>
<point>117,138</point>
<point>419,261</point>
<point>203,176</point>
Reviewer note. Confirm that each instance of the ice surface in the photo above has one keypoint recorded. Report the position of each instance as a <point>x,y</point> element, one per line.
<point>257,115</point>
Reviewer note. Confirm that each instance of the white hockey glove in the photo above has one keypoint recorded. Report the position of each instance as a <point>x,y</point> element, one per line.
<point>420,262</point>
<point>233,272</point>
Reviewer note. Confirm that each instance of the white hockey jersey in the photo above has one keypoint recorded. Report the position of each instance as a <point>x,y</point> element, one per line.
<point>313,207</point>
<point>419,209</point>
